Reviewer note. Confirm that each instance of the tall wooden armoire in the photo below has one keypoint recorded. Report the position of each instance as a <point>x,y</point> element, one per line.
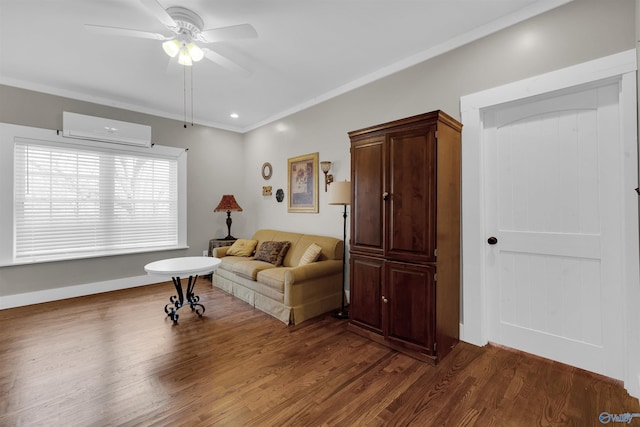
<point>405,234</point>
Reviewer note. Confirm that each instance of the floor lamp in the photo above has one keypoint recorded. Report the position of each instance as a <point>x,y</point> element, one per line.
<point>340,194</point>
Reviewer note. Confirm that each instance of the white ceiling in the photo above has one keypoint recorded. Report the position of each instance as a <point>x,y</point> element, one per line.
<point>306,51</point>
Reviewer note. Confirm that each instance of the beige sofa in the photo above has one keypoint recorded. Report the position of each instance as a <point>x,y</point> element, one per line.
<point>290,292</point>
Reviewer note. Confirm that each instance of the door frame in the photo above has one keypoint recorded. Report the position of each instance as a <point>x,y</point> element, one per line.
<point>621,66</point>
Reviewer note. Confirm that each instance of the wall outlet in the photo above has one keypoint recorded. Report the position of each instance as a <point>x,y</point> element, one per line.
<point>205,253</point>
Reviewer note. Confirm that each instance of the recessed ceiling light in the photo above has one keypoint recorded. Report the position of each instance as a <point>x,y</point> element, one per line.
<point>234,115</point>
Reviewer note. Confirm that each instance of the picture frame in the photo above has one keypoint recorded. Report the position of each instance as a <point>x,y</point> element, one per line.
<point>302,183</point>
<point>267,171</point>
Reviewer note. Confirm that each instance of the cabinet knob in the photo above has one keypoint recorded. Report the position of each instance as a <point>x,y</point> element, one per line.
<point>385,299</point>
<point>385,196</point>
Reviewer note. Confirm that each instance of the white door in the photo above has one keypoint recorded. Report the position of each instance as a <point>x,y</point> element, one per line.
<point>554,171</point>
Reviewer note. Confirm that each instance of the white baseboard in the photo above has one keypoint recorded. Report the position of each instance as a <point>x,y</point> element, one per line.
<point>37,297</point>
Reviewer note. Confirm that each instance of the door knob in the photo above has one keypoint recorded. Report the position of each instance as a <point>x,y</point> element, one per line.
<point>385,300</point>
<point>492,240</point>
<point>385,196</point>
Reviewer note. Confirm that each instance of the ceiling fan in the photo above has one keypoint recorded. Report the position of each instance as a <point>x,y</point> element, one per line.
<point>187,28</point>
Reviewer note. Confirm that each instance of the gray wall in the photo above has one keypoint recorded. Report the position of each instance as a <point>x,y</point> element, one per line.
<point>212,158</point>
<point>577,32</point>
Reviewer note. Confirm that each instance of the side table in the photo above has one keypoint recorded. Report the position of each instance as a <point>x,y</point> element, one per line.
<point>218,243</point>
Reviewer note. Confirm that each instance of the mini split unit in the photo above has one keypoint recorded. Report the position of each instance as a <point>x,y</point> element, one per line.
<point>105,130</point>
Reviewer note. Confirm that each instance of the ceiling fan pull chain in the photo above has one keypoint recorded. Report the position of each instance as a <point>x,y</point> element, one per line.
<point>184,80</point>
<point>191,96</point>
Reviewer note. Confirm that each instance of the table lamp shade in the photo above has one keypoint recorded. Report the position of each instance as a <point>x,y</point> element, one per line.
<point>228,203</point>
<point>340,193</point>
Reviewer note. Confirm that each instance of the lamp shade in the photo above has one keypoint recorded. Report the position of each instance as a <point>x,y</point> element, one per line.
<point>184,58</point>
<point>195,52</point>
<point>171,47</point>
<point>340,193</point>
<point>228,203</point>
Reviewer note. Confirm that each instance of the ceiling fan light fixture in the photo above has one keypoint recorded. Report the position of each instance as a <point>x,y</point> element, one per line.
<point>184,58</point>
<point>195,52</point>
<point>171,47</point>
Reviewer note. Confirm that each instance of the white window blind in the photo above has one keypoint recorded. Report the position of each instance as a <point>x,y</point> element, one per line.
<point>73,202</point>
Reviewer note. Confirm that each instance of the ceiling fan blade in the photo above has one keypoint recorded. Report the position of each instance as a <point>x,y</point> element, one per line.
<point>114,31</point>
<point>234,32</point>
<point>159,12</point>
<point>225,62</point>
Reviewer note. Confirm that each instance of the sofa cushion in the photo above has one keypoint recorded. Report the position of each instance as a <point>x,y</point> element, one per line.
<point>249,269</point>
<point>273,278</point>
<point>332,248</point>
<point>242,247</point>
<point>311,254</point>
<point>228,262</point>
<point>272,252</point>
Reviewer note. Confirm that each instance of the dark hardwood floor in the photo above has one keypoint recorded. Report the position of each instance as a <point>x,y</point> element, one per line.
<point>115,359</point>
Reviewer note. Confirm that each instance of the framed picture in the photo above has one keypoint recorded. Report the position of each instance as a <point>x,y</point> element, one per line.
<point>303,183</point>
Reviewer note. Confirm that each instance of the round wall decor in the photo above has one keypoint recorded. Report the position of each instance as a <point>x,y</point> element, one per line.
<point>267,170</point>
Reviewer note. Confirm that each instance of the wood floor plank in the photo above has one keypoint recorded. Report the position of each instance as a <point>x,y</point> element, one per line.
<point>116,359</point>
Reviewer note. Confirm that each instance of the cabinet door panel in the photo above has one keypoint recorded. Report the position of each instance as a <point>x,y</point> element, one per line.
<point>411,206</point>
<point>410,316</point>
<point>365,292</point>
<point>367,178</point>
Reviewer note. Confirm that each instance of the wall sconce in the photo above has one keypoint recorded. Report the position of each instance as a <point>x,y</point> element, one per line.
<point>328,179</point>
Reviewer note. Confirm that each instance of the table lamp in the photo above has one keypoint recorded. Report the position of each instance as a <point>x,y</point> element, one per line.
<point>228,203</point>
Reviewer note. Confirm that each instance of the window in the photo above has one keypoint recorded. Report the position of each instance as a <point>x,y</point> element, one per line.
<point>75,200</point>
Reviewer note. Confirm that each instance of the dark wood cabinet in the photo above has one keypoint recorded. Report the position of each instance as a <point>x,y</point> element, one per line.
<point>410,293</point>
<point>368,179</point>
<point>405,234</point>
<point>364,306</point>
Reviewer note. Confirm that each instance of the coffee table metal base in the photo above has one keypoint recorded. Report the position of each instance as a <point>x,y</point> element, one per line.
<point>182,299</point>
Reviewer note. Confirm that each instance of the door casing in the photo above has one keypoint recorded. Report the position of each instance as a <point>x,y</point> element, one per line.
<point>622,66</point>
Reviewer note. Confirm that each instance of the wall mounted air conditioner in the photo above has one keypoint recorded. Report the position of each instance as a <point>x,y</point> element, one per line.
<point>105,130</point>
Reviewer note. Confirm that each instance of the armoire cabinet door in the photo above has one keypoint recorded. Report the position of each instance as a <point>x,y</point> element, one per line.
<point>409,305</point>
<point>367,180</point>
<point>366,276</point>
<point>411,205</point>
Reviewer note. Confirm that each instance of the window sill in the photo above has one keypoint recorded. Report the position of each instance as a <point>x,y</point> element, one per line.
<point>74,257</point>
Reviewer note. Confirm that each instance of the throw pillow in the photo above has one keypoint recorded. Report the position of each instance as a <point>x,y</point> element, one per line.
<point>272,252</point>
<point>242,247</point>
<point>283,253</point>
<point>311,254</point>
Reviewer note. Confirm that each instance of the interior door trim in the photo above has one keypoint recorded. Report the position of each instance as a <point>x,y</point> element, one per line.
<point>621,66</point>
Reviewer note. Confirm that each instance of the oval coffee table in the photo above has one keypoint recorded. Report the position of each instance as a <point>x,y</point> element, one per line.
<point>176,267</point>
